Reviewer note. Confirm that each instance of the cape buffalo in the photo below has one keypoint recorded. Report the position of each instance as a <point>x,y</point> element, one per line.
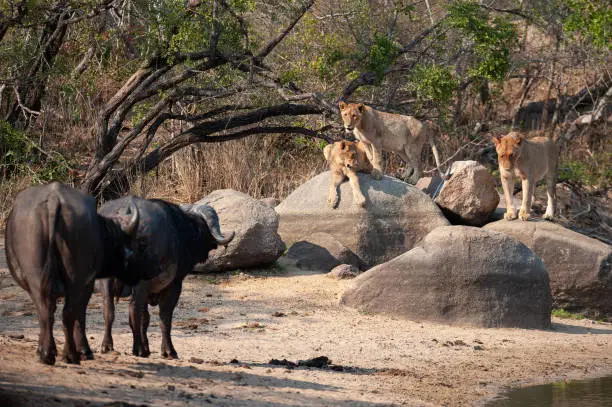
<point>170,241</point>
<point>56,245</point>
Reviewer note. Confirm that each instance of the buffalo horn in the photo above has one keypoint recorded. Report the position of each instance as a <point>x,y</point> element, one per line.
<point>133,222</point>
<point>212,221</point>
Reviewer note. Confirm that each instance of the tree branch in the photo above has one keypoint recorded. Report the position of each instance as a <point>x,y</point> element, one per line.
<point>275,41</point>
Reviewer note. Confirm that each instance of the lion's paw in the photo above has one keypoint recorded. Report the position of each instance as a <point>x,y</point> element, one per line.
<point>524,215</point>
<point>548,216</point>
<point>333,202</point>
<point>509,215</point>
<point>360,201</point>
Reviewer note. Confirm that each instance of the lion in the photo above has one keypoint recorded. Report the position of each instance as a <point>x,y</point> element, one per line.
<point>381,131</point>
<point>345,159</point>
<point>531,160</point>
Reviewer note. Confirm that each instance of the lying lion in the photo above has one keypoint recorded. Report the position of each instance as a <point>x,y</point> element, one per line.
<point>345,159</point>
<point>531,160</point>
<point>382,131</point>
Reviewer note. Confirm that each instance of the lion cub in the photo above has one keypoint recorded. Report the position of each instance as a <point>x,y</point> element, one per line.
<point>531,160</point>
<point>345,159</point>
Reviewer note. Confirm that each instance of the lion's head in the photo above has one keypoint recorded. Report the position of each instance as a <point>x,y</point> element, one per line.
<point>343,153</point>
<point>348,151</point>
<point>351,114</point>
<point>507,148</point>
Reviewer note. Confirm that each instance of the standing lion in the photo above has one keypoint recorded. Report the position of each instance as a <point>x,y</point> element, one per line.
<point>381,131</point>
<point>531,160</point>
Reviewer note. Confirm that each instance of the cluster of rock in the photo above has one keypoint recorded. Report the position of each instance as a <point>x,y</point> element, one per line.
<point>408,261</point>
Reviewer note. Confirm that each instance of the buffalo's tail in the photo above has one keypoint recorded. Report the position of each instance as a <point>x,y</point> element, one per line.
<point>51,262</point>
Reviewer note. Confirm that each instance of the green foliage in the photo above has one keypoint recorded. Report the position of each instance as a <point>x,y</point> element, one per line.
<point>13,147</point>
<point>493,38</point>
<point>434,83</point>
<point>308,142</point>
<point>382,54</point>
<point>19,156</point>
<point>561,313</point>
<point>590,20</point>
<point>585,174</point>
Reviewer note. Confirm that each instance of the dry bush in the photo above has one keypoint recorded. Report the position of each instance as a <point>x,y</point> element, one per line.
<point>270,166</point>
<point>9,188</point>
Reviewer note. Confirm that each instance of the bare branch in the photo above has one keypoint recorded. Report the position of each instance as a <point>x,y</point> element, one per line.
<point>252,117</point>
<point>154,158</point>
<point>369,78</point>
<point>275,41</point>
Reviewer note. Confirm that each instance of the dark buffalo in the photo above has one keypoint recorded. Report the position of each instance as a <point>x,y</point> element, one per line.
<point>170,241</point>
<point>56,245</point>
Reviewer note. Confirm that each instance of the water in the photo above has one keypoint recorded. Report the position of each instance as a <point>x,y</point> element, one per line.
<point>579,393</point>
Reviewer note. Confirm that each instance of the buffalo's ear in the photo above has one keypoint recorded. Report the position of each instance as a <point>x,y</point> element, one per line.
<point>132,222</point>
<point>342,105</point>
<point>361,106</point>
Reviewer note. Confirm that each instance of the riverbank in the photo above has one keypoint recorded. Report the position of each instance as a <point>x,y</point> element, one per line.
<point>288,314</point>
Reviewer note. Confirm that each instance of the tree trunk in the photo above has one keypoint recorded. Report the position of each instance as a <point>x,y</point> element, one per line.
<point>34,83</point>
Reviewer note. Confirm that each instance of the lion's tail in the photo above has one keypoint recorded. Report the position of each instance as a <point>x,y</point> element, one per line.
<point>436,155</point>
<point>434,149</point>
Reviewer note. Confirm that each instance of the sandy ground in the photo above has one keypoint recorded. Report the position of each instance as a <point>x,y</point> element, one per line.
<point>287,314</point>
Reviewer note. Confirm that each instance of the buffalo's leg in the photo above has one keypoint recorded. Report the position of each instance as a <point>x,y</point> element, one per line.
<point>137,306</point>
<point>45,305</point>
<point>70,354</point>
<point>166,306</point>
<point>109,314</point>
<point>146,318</point>
<point>80,339</point>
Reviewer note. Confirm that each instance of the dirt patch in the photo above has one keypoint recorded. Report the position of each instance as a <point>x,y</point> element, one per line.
<point>377,360</point>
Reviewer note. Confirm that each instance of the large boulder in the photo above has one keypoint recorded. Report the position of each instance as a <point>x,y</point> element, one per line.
<point>459,275</point>
<point>580,268</point>
<point>469,196</point>
<point>322,252</point>
<point>396,216</point>
<point>256,243</point>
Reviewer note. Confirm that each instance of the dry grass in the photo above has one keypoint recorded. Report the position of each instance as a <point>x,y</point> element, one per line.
<point>270,166</point>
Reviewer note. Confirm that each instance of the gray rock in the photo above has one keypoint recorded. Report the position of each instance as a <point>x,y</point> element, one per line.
<point>580,268</point>
<point>459,275</point>
<point>256,244</point>
<point>469,196</point>
<point>343,271</point>
<point>270,202</point>
<point>430,185</point>
<point>396,216</point>
<point>321,251</point>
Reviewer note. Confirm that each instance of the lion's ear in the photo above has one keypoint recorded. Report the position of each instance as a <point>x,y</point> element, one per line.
<point>327,151</point>
<point>343,145</point>
<point>361,106</point>
<point>342,105</point>
<point>519,140</point>
<point>496,139</point>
